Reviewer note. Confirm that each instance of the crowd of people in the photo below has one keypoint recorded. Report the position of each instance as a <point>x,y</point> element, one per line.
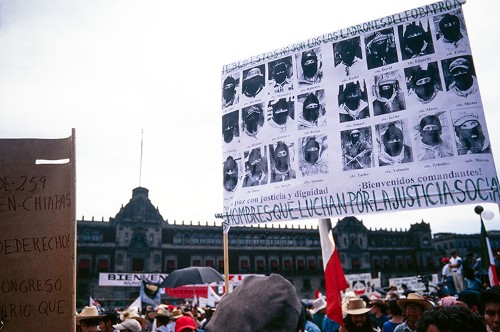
<point>271,304</point>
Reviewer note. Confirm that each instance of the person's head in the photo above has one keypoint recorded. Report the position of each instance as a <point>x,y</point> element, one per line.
<point>253,118</point>
<point>311,150</point>
<point>445,260</point>
<point>230,170</point>
<point>229,126</point>
<point>413,307</point>
<point>470,298</point>
<point>280,72</point>
<point>253,82</point>
<point>379,45</point>
<point>281,157</point>
<point>185,324</point>
<point>414,38</point>
<point>319,305</point>
<point>311,108</point>
<point>355,136</point>
<point>309,63</point>
<point>129,325</point>
<point>347,51</point>
<point>255,162</point>
<point>447,319</point>
<point>393,140</point>
<point>430,130</point>
<point>378,307</point>
<point>280,111</point>
<point>258,304</point>
<point>454,253</point>
<point>352,95</point>
<point>106,323</point>
<point>461,72</point>
<point>470,133</point>
<point>229,88</point>
<point>394,309</point>
<point>424,83</point>
<point>450,27</point>
<point>88,319</point>
<point>489,307</point>
<point>386,86</point>
<point>356,315</point>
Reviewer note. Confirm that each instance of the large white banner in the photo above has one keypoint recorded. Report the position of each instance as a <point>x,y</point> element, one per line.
<point>128,279</point>
<point>378,117</point>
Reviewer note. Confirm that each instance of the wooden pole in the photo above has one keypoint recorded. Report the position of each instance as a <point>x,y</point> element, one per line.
<point>226,262</point>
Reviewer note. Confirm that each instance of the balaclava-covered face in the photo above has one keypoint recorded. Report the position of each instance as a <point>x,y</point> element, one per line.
<point>311,151</point>
<point>355,136</point>
<point>230,174</point>
<point>280,111</point>
<point>430,130</point>
<point>352,95</point>
<point>310,108</point>
<point>386,90</point>
<point>393,140</point>
<point>229,89</point>
<point>280,72</point>
<point>347,52</point>
<point>228,127</point>
<point>424,85</point>
<point>253,83</point>
<point>281,157</point>
<point>462,77</point>
<point>450,27</point>
<point>471,136</point>
<point>309,64</point>
<point>415,38</point>
<point>255,162</point>
<point>252,119</point>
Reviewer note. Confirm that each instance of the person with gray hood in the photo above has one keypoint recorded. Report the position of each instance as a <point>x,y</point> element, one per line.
<point>259,304</point>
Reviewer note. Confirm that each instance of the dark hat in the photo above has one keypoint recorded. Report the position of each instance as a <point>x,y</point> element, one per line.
<point>469,297</point>
<point>430,120</point>
<point>258,304</point>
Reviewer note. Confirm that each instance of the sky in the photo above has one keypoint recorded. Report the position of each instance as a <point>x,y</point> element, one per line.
<point>115,69</point>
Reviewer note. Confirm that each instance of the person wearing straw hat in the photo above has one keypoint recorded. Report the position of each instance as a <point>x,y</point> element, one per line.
<point>88,319</point>
<point>163,318</point>
<point>356,317</point>
<point>413,307</point>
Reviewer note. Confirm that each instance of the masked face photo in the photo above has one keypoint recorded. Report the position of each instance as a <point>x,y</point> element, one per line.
<point>393,140</point>
<point>280,72</point>
<point>355,136</point>
<point>281,157</point>
<point>311,108</point>
<point>255,162</point>
<point>311,151</point>
<point>252,119</point>
<point>415,39</point>
<point>352,95</point>
<point>347,53</point>
<point>230,126</point>
<point>229,88</point>
<point>424,87</point>
<point>230,176</point>
<point>471,135</point>
<point>280,111</point>
<point>386,90</point>
<point>450,27</point>
<point>309,64</point>
<point>430,130</point>
<point>253,82</point>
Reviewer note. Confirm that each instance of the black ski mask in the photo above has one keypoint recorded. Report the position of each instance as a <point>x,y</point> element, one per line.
<point>281,157</point>
<point>280,72</point>
<point>386,90</point>
<point>450,27</point>
<point>255,163</point>
<point>430,130</point>
<point>280,111</point>
<point>393,140</point>
<point>311,151</point>
<point>352,95</point>
<point>253,83</point>
<point>309,64</point>
<point>253,119</point>
<point>310,108</point>
<point>229,89</point>
<point>347,52</point>
<point>471,136</point>
<point>415,38</point>
<point>230,174</point>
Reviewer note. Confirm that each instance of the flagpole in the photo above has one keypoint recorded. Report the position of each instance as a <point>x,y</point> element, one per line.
<point>226,263</point>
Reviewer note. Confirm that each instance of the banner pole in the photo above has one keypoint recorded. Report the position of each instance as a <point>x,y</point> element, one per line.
<point>226,262</point>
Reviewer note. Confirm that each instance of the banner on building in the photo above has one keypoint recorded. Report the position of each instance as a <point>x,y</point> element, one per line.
<point>37,234</point>
<point>362,283</point>
<point>378,117</point>
<point>129,279</point>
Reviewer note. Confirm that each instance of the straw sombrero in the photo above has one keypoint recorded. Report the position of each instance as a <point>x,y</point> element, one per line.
<point>356,307</point>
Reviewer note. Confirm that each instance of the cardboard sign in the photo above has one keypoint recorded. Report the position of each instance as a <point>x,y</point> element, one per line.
<point>37,234</point>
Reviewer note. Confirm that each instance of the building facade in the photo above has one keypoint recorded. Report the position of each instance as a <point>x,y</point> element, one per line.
<point>139,240</point>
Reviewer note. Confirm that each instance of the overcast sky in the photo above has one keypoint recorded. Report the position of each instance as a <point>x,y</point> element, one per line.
<point>113,68</point>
